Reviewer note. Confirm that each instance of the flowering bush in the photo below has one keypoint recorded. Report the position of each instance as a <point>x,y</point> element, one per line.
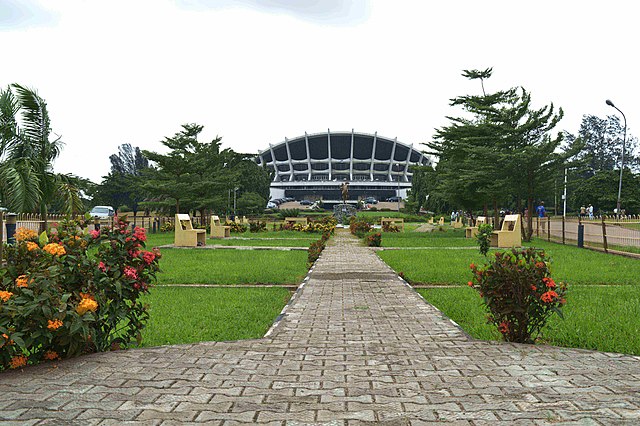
<point>484,237</point>
<point>58,301</point>
<point>359,227</point>
<point>257,226</point>
<point>519,293</point>
<point>390,227</point>
<point>236,227</point>
<point>374,240</point>
<point>167,227</point>
<point>316,247</point>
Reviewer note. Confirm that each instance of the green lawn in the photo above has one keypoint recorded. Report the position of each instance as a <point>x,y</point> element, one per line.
<point>185,315</point>
<point>267,238</point>
<point>198,266</point>
<point>448,238</point>
<point>599,318</point>
<point>570,264</point>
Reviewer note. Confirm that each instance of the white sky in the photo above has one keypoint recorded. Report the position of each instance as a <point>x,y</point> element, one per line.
<point>255,71</point>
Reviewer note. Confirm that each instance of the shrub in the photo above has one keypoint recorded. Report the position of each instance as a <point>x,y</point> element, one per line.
<point>390,227</point>
<point>167,227</point>
<point>315,249</point>
<point>519,293</point>
<point>239,228</point>
<point>484,237</point>
<point>257,226</point>
<point>56,301</point>
<point>374,240</point>
<point>359,227</point>
<point>289,213</point>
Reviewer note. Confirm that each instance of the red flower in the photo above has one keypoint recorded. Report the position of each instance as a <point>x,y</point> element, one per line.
<point>102,267</point>
<point>94,234</point>
<point>549,296</point>
<point>549,282</point>
<point>540,265</point>
<point>472,266</point>
<point>533,287</point>
<point>148,257</point>
<point>503,327</point>
<point>130,273</point>
<point>140,234</point>
<point>470,284</point>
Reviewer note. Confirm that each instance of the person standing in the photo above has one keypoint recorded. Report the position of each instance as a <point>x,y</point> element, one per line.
<point>590,210</point>
<point>540,210</point>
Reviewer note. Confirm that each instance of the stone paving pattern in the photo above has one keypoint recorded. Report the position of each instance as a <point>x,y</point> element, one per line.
<point>357,345</point>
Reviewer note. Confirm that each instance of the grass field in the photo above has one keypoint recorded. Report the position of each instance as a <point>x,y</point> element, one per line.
<point>185,315</point>
<point>571,264</point>
<point>605,318</point>
<point>193,266</point>
<point>603,303</point>
<point>267,238</point>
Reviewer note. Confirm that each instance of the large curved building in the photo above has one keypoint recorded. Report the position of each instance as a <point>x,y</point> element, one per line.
<point>314,166</point>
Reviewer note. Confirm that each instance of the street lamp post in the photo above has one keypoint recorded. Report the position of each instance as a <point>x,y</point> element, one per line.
<point>624,141</point>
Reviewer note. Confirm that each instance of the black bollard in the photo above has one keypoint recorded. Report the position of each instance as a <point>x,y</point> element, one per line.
<point>581,235</point>
<point>11,221</point>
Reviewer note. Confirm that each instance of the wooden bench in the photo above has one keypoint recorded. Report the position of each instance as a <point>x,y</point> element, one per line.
<point>509,234</point>
<point>394,221</point>
<point>294,220</point>
<point>218,230</point>
<point>185,235</point>
<point>472,231</point>
<point>457,224</point>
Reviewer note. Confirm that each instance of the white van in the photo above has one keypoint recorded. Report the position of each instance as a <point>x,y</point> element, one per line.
<point>102,212</point>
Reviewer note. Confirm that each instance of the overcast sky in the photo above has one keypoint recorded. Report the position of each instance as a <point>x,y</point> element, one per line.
<point>257,71</point>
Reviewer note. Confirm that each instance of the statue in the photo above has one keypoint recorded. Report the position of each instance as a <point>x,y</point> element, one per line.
<point>345,191</point>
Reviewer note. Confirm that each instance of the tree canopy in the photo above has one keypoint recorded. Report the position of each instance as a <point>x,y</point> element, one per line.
<point>500,151</point>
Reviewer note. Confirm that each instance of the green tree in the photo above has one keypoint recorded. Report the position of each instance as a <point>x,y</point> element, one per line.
<point>27,180</point>
<point>501,151</point>
<point>601,190</point>
<point>250,203</point>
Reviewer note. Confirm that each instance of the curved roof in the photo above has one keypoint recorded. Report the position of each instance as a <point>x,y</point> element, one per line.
<point>341,156</point>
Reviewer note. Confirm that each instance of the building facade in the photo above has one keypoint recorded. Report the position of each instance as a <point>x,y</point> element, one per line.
<point>314,166</point>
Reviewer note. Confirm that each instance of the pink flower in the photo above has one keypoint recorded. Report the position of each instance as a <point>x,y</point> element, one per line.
<point>140,234</point>
<point>130,273</point>
<point>134,253</point>
<point>148,257</point>
<point>102,267</point>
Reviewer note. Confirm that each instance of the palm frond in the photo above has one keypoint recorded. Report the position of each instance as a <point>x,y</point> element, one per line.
<point>20,186</point>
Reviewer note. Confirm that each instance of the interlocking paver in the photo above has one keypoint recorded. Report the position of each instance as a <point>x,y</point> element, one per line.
<point>355,346</point>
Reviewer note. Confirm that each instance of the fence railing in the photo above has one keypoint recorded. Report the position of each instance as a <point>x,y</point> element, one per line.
<point>604,231</point>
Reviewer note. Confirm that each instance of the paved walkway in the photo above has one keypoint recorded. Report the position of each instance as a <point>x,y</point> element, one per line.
<point>356,345</point>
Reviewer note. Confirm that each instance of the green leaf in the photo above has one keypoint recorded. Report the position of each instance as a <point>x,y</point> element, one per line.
<point>43,238</point>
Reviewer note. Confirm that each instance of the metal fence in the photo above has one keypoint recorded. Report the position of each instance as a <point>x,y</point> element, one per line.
<point>608,232</point>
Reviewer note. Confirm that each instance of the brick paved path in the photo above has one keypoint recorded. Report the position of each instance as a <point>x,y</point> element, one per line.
<point>356,345</point>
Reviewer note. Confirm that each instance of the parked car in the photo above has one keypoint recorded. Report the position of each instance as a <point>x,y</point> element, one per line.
<point>394,199</point>
<point>271,205</point>
<point>102,212</point>
<point>370,200</point>
<point>305,202</point>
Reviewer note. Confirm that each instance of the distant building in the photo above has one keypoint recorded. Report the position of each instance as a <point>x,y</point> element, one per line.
<point>314,166</point>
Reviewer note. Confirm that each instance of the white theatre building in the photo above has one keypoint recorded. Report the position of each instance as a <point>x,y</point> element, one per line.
<point>314,166</point>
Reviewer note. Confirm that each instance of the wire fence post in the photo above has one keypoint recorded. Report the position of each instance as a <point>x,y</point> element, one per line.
<point>548,228</point>
<point>604,235</point>
<point>538,226</point>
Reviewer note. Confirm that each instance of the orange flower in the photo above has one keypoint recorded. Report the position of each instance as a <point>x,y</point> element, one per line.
<point>51,355</point>
<point>18,361</point>
<point>533,287</point>
<point>86,296</point>
<point>549,296</point>
<point>86,305</point>
<point>472,266</point>
<point>470,284</point>
<point>5,295</point>
<point>54,325</point>
<point>22,281</point>
<point>54,249</point>
<point>549,282</point>
<point>503,327</point>
<point>24,234</point>
<point>540,265</point>
<point>31,246</point>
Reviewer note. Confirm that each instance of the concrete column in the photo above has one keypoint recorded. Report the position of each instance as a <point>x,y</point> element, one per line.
<point>351,158</point>
<point>373,154</point>
<point>329,150</point>
<point>306,142</point>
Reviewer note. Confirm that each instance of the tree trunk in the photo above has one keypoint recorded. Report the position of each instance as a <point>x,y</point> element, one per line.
<point>529,232</point>
<point>496,215</point>
<point>43,217</point>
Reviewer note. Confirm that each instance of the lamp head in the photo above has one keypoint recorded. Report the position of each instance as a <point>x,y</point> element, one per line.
<point>610,103</point>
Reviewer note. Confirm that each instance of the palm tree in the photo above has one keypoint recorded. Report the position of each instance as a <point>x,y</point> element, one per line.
<point>27,180</point>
